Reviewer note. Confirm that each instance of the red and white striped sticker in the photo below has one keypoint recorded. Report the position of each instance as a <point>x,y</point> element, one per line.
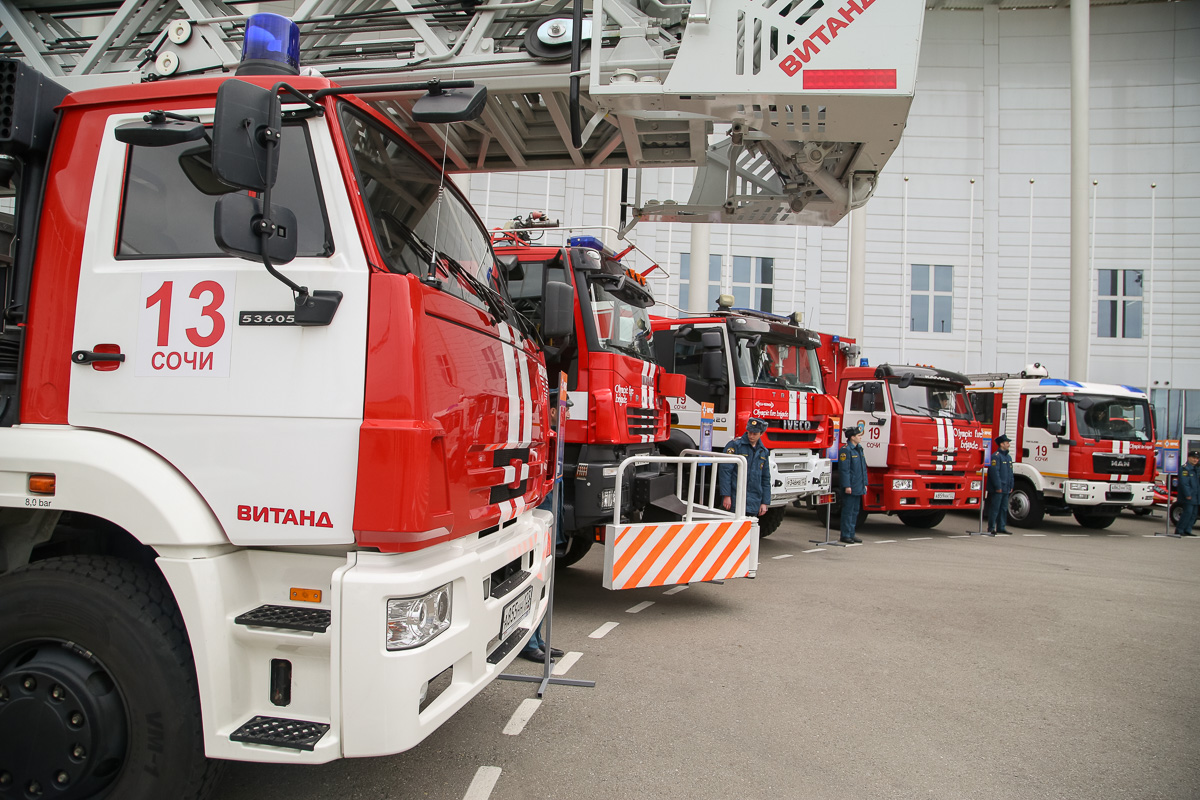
<point>669,553</point>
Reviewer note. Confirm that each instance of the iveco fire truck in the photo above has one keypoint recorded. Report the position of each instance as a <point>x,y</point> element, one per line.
<point>1085,449</point>
<point>619,398</point>
<point>923,447</point>
<point>278,507</point>
<point>752,364</point>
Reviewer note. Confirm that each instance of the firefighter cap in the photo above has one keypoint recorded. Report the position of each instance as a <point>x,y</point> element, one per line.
<point>1002,438</point>
<point>1193,454</point>
<point>756,425</point>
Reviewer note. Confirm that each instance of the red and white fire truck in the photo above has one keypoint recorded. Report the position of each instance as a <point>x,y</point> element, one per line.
<point>1079,448</point>
<point>923,447</point>
<point>620,404</point>
<point>238,518</point>
<point>753,364</point>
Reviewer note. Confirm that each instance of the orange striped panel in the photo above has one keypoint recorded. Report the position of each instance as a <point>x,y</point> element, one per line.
<point>698,561</point>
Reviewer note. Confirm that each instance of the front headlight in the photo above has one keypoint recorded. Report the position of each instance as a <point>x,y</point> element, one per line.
<point>976,486</point>
<point>414,621</point>
<point>1079,487</point>
<point>607,497</point>
<point>902,485</point>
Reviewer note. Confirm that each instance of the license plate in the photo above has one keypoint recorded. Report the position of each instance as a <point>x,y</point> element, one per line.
<point>943,495</point>
<point>793,482</point>
<point>1119,487</point>
<point>514,612</point>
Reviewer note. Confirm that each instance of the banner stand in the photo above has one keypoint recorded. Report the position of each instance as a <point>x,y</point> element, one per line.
<point>828,519</point>
<point>1167,529</point>
<point>982,502</point>
<point>544,680</point>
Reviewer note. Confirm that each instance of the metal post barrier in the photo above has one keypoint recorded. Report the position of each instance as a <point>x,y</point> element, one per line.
<point>982,502</point>
<point>1167,531</point>
<point>828,524</point>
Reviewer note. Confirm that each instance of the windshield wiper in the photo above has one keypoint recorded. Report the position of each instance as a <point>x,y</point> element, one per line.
<point>628,349</point>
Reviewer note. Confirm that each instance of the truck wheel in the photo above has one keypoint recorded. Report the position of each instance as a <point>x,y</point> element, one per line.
<point>98,692</point>
<point>1176,515</point>
<point>577,547</point>
<point>1095,521</point>
<point>1025,507</point>
<point>922,519</point>
<point>769,522</point>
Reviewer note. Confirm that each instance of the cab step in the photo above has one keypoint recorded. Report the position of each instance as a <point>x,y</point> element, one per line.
<point>278,732</point>
<point>288,618</point>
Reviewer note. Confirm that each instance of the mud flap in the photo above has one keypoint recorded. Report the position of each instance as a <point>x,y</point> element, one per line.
<point>668,553</point>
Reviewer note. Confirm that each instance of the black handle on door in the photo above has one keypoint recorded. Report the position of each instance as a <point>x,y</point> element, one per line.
<point>90,357</point>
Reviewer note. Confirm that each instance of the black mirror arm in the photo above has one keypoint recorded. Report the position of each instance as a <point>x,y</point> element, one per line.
<point>265,227</point>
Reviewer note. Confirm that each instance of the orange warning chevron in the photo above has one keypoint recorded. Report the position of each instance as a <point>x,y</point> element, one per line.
<point>665,554</point>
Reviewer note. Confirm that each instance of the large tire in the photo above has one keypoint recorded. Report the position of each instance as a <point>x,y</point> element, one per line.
<point>769,522</point>
<point>98,694</point>
<point>576,547</point>
<point>922,519</point>
<point>1095,521</point>
<point>1025,506</point>
<point>1176,515</point>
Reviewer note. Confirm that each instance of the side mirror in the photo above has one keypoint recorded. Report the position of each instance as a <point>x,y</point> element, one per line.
<point>711,340</point>
<point>234,226</point>
<point>1084,402</point>
<point>558,318</point>
<point>246,129</point>
<point>1054,411</point>
<point>453,105</point>
<point>1056,428</point>
<point>905,380</point>
<point>664,349</point>
<point>512,268</point>
<point>869,400</point>
<point>712,365</point>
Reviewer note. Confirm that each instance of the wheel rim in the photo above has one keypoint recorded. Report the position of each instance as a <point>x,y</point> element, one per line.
<point>1018,506</point>
<point>63,723</point>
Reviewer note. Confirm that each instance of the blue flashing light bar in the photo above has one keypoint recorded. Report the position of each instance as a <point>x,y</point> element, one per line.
<point>1133,389</point>
<point>271,47</point>
<point>862,362</point>
<point>1060,382</point>
<point>591,242</point>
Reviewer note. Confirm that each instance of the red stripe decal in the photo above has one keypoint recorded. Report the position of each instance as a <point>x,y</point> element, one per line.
<point>849,78</point>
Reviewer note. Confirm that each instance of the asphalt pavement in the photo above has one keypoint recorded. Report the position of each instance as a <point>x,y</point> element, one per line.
<point>1056,663</point>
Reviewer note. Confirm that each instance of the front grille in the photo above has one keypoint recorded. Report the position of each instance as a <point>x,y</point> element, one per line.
<point>941,502</point>
<point>789,437</point>
<point>941,472</point>
<point>795,466</point>
<point>940,485</point>
<point>1119,497</point>
<point>1118,464</point>
<point>641,421</point>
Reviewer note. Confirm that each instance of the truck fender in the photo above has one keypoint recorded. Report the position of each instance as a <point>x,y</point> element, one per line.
<point>1022,470</point>
<point>110,477</point>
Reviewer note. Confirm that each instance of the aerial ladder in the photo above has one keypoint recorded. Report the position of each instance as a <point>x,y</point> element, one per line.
<point>811,95</point>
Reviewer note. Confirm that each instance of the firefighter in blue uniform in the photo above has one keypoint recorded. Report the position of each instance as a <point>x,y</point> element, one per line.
<point>1000,486</point>
<point>1188,493</point>
<point>758,475</point>
<point>852,474</point>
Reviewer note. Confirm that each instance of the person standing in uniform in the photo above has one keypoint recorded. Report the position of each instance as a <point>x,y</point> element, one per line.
<point>758,475</point>
<point>1188,495</point>
<point>1000,486</point>
<point>852,475</point>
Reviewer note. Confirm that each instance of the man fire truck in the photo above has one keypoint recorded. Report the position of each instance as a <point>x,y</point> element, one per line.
<point>922,444</point>
<point>241,517</point>
<point>1085,449</point>
<point>753,364</point>
<point>619,396</point>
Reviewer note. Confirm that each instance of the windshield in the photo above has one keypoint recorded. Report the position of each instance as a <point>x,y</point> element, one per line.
<point>1125,419</point>
<point>777,363</point>
<point>930,400</point>
<point>620,325</point>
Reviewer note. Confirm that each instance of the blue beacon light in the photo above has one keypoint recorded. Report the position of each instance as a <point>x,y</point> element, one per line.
<point>271,46</point>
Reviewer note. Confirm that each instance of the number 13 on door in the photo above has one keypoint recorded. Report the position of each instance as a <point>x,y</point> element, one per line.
<point>184,324</point>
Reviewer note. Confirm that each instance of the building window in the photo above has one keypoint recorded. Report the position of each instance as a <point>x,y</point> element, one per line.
<point>752,282</point>
<point>932,298</point>
<point>1120,310</point>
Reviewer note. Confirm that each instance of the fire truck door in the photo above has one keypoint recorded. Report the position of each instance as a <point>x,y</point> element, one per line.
<point>688,362</point>
<point>876,423</point>
<point>1040,446</point>
<point>255,411</point>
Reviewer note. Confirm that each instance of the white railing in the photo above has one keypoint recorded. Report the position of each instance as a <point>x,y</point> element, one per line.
<point>694,460</point>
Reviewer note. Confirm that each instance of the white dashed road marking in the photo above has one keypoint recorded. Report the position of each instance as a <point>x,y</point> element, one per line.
<point>960,536</point>
<point>886,541</point>
<point>600,632</point>
<point>1033,534</point>
<point>565,663</point>
<point>785,555</point>
<point>522,715</point>
<point>483,783</point>
<point>642,606</point>
<point>920,539</point>
<point>816,550</point>
<point>676,590</point>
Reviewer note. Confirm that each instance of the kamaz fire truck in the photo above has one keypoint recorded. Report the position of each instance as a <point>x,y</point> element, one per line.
<point>752,364</point>
<point>923,447</point>
<point>1085,449</point>
<point>619,398</point>
<point>278,507</point>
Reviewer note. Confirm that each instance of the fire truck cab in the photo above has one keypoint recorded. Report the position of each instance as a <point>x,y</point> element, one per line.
<point>1085,449</point>
<point>752,364</point>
